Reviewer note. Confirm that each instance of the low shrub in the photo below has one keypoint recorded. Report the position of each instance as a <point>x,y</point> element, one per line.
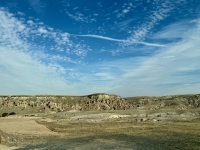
<point>4,114</point>
<point>12,113</point>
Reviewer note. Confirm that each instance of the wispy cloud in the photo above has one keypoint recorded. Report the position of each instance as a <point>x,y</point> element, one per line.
<point>32,30</point>
<point>39,59</point>
<point>124,24</point>
<point>176,30</point>
<point>22,74</point>
<point>37,6</point>
<point>174,70</point>
<point>125,9</point>
<point>21,13</point>
<point>80,17</point>
<point>160,12</point>
<point>28,67</point>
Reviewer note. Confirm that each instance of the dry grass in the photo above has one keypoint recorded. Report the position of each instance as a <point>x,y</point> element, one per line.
<point>121,133</point>
<point>174,135</point>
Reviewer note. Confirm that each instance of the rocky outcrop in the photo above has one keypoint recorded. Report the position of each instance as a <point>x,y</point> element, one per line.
<point>99,101</point>
<point>191,101</point>
<point>48,103</point>
<point>102,96</point>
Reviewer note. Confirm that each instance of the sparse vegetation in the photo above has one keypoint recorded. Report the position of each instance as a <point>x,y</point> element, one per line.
<point>168,122</point>
<point>176,135</point>
<point>4,114</point>
<point>12,113</point>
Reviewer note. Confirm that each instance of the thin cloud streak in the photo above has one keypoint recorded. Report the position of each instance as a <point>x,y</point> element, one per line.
<point>101,37</point>
<point>125,42</point>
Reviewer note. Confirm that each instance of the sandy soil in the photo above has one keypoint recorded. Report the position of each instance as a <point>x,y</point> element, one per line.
<point>24,125</point>
<point>4,147</point>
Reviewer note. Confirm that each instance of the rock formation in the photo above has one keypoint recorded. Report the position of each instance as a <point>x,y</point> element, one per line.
<point>65,103</point>
<point>99,101</point>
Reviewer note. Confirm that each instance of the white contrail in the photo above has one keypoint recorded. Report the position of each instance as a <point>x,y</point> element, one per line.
<point>149,44</point>
<point>101,37</point>
<point>118,40</point>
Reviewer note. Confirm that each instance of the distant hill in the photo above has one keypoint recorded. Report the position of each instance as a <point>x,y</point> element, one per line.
<point>99,101</point>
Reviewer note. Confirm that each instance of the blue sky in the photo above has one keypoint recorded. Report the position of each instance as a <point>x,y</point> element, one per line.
<point>123,47</point>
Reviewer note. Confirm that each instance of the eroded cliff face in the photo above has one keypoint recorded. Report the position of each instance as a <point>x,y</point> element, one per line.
<point>100,101</point>
<point>65,103</point>
<point>180,102</point>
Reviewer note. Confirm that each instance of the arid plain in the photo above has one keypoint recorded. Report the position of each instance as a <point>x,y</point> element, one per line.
<point>100,121</point>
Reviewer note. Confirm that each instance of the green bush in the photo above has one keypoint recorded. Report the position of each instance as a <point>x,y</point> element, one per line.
<point>4,115</point>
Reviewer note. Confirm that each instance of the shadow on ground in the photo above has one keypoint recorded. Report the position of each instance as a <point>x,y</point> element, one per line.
<point>117,142</point>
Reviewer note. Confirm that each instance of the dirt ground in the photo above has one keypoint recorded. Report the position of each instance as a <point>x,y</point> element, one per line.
<point>4,147</point>
<point>23,125</point>
<point>120,130</point>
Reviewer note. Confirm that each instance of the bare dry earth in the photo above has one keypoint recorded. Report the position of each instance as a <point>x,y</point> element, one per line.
<point>21,127</point>
<point>4,147</point>
<point>119,130</point>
